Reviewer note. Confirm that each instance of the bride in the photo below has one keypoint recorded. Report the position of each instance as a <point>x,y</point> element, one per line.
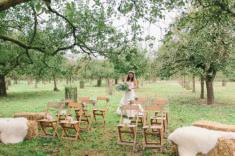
<point>129,96</point>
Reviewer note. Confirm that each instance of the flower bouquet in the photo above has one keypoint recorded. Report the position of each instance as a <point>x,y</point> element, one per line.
<point>122,87</point>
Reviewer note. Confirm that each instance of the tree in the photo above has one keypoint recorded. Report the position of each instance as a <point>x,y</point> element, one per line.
<point>79,26</point>
<point>200,44</point>
<point>26,31</point>
<point>100,69</point>
<point>131,59</point>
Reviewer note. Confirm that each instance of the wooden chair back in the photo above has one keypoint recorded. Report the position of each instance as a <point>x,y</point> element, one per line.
<point>102,100</point>
<point>160,101</point>
<point>130,107</point>
<point>141,101</point>
<point>74,105</point>
<point>55,106</point>
<point>86,100</point>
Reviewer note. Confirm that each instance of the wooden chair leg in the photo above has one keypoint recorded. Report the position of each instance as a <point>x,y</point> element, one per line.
<point>161,140</point>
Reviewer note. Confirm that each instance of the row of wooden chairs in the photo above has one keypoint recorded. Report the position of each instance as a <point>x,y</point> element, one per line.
<point>151,127</point>
<point>99,110</point>
<point>65,120</point>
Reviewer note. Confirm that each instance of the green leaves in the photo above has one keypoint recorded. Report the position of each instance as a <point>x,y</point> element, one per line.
<point>199,43</point>
<point>38,7</point>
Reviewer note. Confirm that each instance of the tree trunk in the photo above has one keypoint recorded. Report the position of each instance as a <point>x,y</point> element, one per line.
<point>44,82</point>
<point>184,83</point>
<point>99,82</point>
<point>36,84</point>
<point>71,93</point>
<point>137,83</point>
<point>8,83</point>
<point>70,80</point>
<point>15,81</point>
<point>29,81</point>
<point>116,81</point>
<point>55,84</point>
<point>82,84</point>
<point>223,83</point>
<point>202,88</point>
<point>210,91</point>
<point>194,85</point>
<point>110,87</point>
<point>3,90</point>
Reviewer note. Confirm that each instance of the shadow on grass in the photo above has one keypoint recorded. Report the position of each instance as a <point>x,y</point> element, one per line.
<point>30,95</point>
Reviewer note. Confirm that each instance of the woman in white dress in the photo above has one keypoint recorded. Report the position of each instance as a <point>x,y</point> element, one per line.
<point>129,96</point>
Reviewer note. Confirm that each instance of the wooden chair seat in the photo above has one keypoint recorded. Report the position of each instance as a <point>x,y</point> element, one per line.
<point>152,127</point>
<point>70,125</point>
<point>126,125</point>
<point>48,125</point>
<point>99,109</point>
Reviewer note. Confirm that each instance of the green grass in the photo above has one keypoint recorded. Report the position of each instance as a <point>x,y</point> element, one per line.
<point>185,107</point>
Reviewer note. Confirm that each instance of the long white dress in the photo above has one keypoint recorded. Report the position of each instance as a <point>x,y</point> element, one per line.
<point>127,98</point>
<point>129,95</point>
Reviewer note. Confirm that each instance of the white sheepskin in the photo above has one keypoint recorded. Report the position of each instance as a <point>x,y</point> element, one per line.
<point>13,130</point>
<point>192,140</point>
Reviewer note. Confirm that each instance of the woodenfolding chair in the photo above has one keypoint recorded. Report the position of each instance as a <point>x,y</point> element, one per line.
<point>162,103</point>
<point>86,101</point>
<point>68,126</point>
<point>67,101</point>
<point>49,127</point>
<point>141,101</point>
<point>154,132</point>
<point>129,128</point>
<point>101,107</point>
<point>81,115</point>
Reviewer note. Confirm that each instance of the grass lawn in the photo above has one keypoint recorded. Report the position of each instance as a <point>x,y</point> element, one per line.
<point>185,107</point>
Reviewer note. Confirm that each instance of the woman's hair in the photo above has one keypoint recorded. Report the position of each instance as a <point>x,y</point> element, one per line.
<point>130,79</point>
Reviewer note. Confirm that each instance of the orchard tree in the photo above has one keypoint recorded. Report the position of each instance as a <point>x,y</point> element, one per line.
<point>81,26</point>
<point>131,58</point>
<point>25,31</point>
<point>99,70</point>
<point>201,48</point>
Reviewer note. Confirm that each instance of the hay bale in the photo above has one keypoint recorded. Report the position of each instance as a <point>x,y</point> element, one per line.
<point>224,147</point>
<point>214,126</point>
<point>32,129</point>
<point>30,115</point>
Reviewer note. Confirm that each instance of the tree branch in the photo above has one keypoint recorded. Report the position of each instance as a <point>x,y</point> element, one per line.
<point>21,44</point>
<point>6,4</point>
<point>35,26</point>
<point>81,44</point>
